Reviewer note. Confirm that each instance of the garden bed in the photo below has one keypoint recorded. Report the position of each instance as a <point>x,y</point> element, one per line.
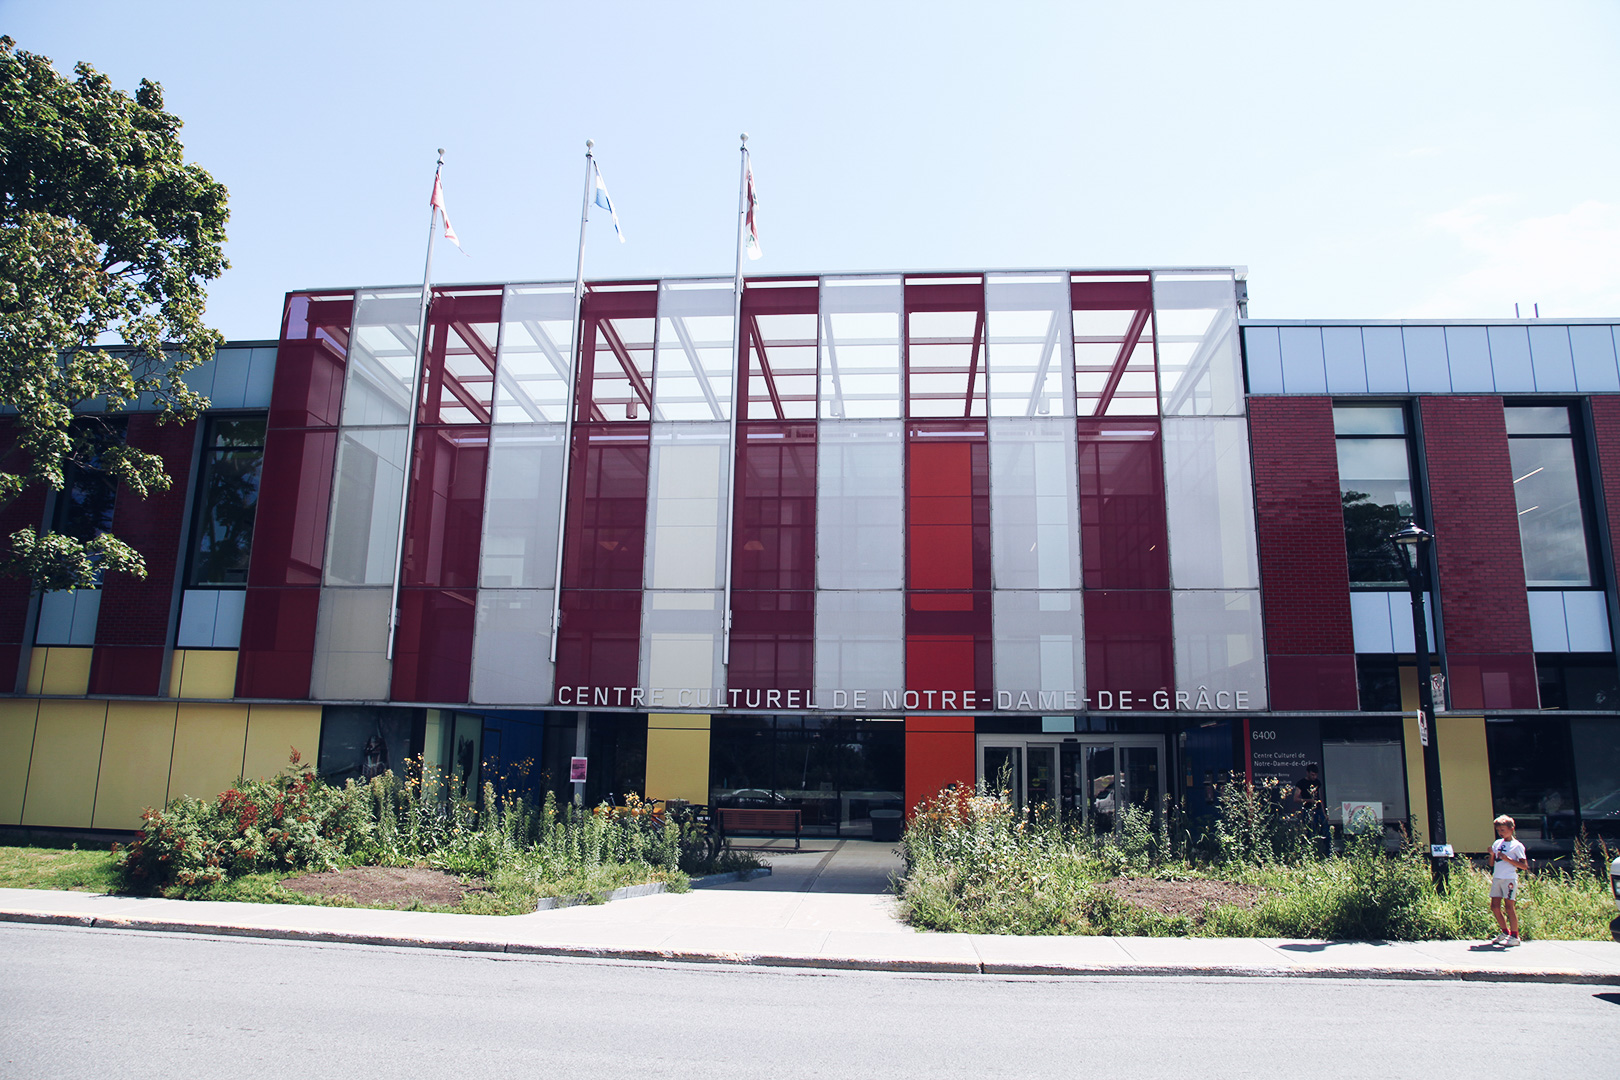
<point>386,886</point>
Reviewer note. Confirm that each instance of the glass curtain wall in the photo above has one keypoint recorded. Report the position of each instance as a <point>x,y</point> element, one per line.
<point>835,770</point>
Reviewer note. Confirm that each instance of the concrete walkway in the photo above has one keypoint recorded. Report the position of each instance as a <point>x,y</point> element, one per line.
<point>827,906</point>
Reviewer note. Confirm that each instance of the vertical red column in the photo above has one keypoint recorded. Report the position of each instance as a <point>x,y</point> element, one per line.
<point>26,511</point>
<point>1304,573</point>
<point>445,512</point>
<point>132,628</point>
<point>1490,661</point>
<point>1606,434</point>
<point>605,536</point>
<point>295,491</point>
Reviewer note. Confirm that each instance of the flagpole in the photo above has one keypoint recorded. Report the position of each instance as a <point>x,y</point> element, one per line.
<point>739,352</point>
<point>410,422</point>
<point>569,396</point>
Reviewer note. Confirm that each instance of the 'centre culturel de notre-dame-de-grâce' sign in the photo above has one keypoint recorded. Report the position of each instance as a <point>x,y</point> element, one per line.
<point>1200,699</point>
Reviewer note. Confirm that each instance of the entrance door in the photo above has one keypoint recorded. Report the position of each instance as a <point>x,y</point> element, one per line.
<point>1093,778</point>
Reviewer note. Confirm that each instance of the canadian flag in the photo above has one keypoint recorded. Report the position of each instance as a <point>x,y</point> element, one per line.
<point>753,223</point>
<point>437,203</point>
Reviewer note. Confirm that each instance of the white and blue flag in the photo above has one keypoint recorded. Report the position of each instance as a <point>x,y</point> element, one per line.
<point>605,201</point>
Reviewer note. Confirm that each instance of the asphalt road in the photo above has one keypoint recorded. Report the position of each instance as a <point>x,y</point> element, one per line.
<point>100,1003</point>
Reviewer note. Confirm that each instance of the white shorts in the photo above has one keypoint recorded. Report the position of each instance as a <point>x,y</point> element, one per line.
<point>1503,888</point>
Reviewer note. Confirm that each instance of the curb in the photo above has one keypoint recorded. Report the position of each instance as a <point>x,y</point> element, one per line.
<point>552,903</point>
<point>740,959</point>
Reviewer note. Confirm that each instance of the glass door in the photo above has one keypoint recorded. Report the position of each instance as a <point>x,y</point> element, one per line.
<point>1041,787</point>
<point>1101,786</point>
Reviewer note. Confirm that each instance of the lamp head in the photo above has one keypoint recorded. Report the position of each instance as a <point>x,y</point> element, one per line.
<point>1410,541</point>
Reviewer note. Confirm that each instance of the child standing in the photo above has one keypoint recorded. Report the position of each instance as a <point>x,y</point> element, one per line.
<point>1507,859</point>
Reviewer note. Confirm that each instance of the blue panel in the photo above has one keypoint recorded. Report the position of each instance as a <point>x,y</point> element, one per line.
<point>1386,359</point>
<point>201,378</point>
<point>1551,360</point>
<point>1264,359</point>
<point>230,377</point>
<point>1341,354</point>
<point>1468,355</point>
<point>261,373</point>
<point>1303,372</point>
<point>1510,358</point>
<point>1426,369</point>
<point>1592,348</point>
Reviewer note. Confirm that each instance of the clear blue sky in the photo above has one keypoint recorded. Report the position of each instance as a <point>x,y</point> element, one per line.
<point>1375,160</point>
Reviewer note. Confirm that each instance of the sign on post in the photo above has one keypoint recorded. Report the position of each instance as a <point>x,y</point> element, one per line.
<point>576,770</point>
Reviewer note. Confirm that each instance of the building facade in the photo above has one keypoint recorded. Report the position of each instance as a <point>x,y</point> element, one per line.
<point>842,542</point>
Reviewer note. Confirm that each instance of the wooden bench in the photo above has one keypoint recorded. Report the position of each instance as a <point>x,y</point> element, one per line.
<point>735,820</point>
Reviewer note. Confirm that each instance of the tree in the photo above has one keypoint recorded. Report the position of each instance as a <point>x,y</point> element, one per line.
<point>105,232</point>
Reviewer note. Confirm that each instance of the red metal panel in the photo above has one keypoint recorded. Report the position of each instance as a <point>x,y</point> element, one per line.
<point>1124,541</point>
<point>1476,527</point>
<point>126,669</point>
<point>1606,469</point>
<point>600,643</point>
<point>948,643</point>
<point>308,387</point>
<point>775,536</point>
<point>445,522</point>
<point>947,512</point>
<point>606,533</point>
<point>939,752</point>
<point>772,640</point>
<point>295,492</point>
<point>1110,295</point>
<point>135,611</point>
<point>278,643</point>
<point>1128,642</point>
<point>1304,574</point>
<point>433,648</point>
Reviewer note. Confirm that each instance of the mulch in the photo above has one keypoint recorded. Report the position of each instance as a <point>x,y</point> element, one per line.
<point>385,886</point>
<point>1190,898</point>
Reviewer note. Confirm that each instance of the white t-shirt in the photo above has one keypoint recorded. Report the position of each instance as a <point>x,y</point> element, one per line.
<point>1504,850</point>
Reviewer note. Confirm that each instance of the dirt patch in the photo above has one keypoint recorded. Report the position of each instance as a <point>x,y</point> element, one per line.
<point>385,886</point>
<point>1190,898</point>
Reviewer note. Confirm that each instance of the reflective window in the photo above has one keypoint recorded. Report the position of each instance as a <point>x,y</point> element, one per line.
<point>228,498</point>
<point>1375,487</point>
<point>860,347</point>
<point>1596,743</point>
<point>84,507</point>
<point>1530,777</point>
<point>1547,489</point>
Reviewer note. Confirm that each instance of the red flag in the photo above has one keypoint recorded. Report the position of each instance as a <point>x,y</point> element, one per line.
<point>753,225</point>
<point>437,202</point>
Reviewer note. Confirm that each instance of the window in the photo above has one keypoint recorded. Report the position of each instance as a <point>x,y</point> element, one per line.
<point>228,499</point>
<point>1547,488</point>
<point>1375,486</point>
<point>84,508</point>
<point>1530,776</point>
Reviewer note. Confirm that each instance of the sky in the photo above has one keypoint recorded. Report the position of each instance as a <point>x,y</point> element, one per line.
<point>1366,161</point>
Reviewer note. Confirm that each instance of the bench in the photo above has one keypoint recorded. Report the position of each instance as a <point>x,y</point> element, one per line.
<point>735,820</point>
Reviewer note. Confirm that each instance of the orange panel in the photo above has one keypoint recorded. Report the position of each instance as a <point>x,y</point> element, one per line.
<point>939,751</point>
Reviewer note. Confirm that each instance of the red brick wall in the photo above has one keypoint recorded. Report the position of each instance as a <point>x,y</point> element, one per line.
<point>134,620</point>
<point>1490,662</point>
<point>1304,575</point>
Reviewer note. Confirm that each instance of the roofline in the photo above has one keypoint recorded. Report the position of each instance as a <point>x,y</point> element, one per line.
<point>1544,321</point>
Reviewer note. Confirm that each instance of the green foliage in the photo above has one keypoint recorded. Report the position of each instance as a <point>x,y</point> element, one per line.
<point>104,230</point>
<point>86,868</point>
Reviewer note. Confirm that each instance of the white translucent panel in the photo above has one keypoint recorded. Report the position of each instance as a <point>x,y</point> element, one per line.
<point>1220,650</point>
<point>1040,646</point>
<point>351,645</point>
<point>1031,361</point>
<point>1587,617</point>
<point>685,508</point>
<point>1592,348</point>
<point>1342,356</point>
<point>1427,371</point>
<point>519,548</point>
<point>1386,359</point>
<point>1199,370</point>
<point>1263,351</point>
<point>1549,632</point>
<point>1209,504</point>
<point>692,374</point>
<point>382,357</point>
<point>1304,371</point>
<point>1510,359</point>
<point>860,648</point>
<point>361,543</point>
<point>1468,358</point>
<point>680,649</point>
<point>860,347</point>
<point>1034,504</point>
<point>1550,359</point>
<point>860,504</point>
<point>511,662</point>
<point>945,364</point>
<point>531,371</point>
<point>68,617</point>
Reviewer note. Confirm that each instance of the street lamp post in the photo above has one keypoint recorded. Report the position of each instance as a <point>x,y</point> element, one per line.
<point>1413,544</point>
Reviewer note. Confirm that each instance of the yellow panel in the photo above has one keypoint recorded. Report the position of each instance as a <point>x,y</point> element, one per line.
<point>67,755</point>
<point>678,757</point>
<point>1417,796</point>
<point>17,717</point>
<point>203,673</point>
<point>134,762</point>
<point>209,741</point>
<point>36,670</point>
<point>1465,771</point>
<point>67,671</point>
<point>276,730</point>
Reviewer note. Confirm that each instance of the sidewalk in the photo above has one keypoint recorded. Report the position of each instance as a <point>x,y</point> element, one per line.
<point>826,907</point>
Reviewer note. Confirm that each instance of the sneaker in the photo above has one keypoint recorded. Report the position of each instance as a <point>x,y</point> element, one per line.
<point>1499,939</point>
<point>1510,942</point>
